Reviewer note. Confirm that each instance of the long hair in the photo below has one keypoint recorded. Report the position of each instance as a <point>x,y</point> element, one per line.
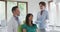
<point>27,19</point>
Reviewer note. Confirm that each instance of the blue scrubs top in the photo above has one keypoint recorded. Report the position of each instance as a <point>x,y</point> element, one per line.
<point>41,19</point>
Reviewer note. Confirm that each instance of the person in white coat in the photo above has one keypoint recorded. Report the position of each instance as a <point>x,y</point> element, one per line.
<point>14,21</point>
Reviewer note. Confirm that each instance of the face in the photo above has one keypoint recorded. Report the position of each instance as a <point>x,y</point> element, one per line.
<point>17,12</point>
<point>42,7</point>
<point>30,19</point>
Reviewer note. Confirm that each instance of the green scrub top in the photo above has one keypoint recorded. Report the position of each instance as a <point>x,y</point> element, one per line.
<point>30,28</point>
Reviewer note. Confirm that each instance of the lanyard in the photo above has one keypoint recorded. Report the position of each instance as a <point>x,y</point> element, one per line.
<point>17,19</point>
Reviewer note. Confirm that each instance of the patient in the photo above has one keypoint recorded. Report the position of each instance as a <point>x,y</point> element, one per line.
<point>29,26</point>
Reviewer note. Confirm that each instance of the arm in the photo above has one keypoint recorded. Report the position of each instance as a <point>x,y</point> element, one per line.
<point>36,27</point>
<point>37,30</point>
<point>15,29</point>
<point>24,30</point>
<point>9,28</point>
<point>37,21</point>
<point>47,17</point>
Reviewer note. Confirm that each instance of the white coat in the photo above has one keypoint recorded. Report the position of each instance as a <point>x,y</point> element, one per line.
<point>12,25</point>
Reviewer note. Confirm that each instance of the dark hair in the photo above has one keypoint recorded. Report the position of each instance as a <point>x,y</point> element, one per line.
<point>14,8</point>
<point>43,3</point>
<point>27,19</point>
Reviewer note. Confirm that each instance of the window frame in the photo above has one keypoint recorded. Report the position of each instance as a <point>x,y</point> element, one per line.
<point>17,5</point>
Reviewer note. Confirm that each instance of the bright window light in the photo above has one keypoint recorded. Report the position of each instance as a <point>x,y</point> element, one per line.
<point>2,10</point>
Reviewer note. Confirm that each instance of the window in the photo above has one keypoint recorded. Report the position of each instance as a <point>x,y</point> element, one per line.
<point>23,10</point>
<point>2,16</point>
<point>2,10</point>
<point>54,16</point>
<point>52,13</point>
<point>9,9</point>
<point>6,7</point>
<point>58,22</point>
<point>6,13</point>
<point>22,7</point>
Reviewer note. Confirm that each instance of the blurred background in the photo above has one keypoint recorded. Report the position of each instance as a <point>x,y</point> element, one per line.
<point>30,6</point>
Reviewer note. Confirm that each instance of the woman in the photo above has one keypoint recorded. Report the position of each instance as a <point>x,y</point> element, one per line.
<point>29,26</point>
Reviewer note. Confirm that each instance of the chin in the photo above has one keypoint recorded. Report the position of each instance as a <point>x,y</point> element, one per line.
<point>18,15</point>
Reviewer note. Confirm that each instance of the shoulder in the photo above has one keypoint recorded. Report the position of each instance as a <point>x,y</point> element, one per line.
<point>46,11</point>
<point>24,26</point>
<point>11,19</point>
<point>34,25</point>
<point>38,13</point>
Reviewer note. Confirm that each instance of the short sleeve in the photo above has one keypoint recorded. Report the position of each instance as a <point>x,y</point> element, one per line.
<point>35,26</point>
<point>24,26</point>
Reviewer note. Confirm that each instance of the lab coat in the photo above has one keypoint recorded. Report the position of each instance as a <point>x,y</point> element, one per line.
<point>12,25</point>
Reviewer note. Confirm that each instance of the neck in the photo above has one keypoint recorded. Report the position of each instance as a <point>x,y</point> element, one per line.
<point>14,15</point>
<point>42,10</point>
<point>30,24</point>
